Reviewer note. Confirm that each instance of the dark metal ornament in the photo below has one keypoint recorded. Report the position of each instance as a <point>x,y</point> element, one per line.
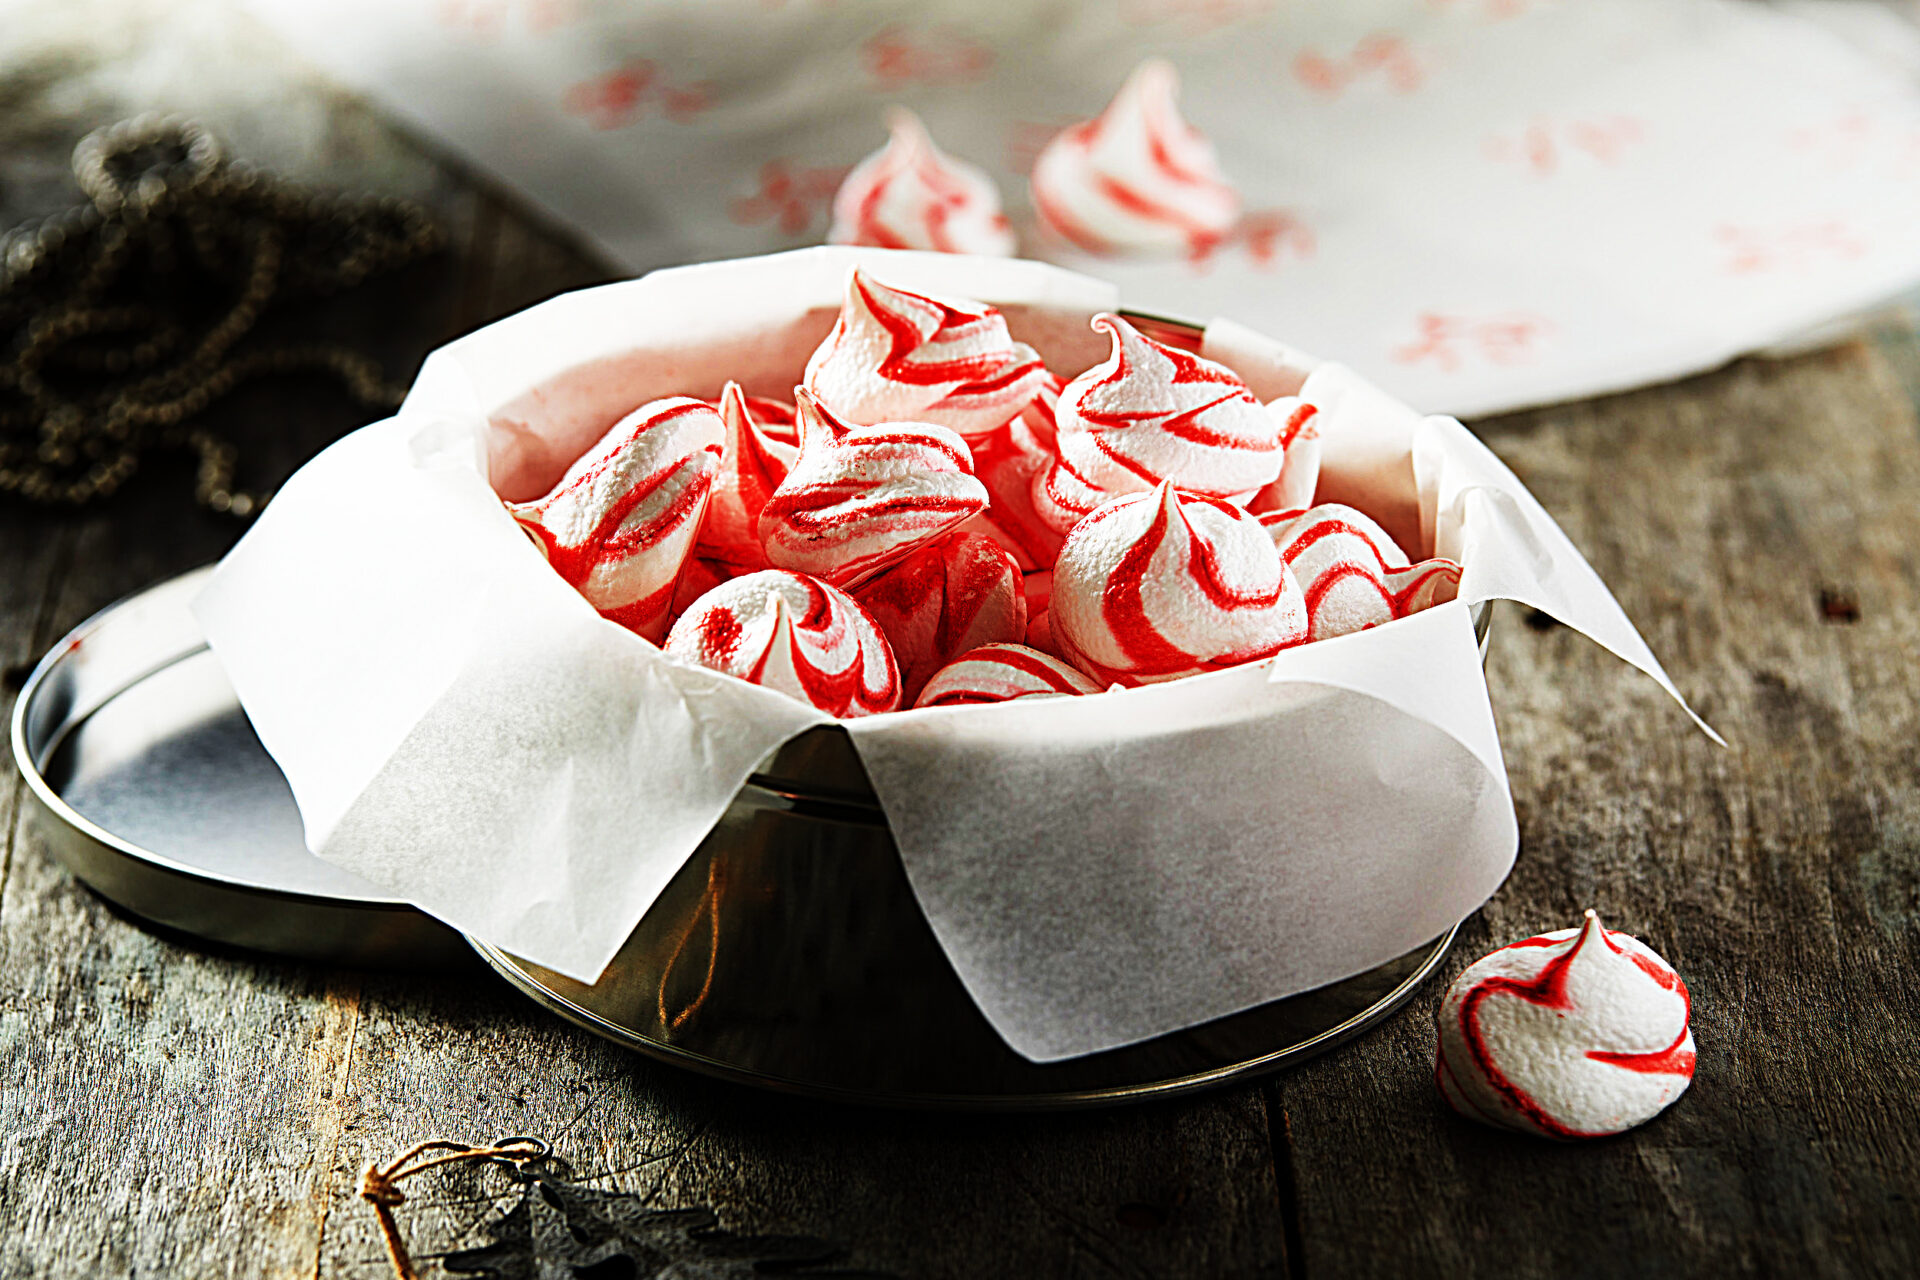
<point>561,1230</point>
<point>123,319</point>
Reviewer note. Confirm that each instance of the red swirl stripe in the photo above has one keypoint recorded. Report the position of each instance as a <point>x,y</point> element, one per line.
<point>941,322</point>
<point>1001,673</point>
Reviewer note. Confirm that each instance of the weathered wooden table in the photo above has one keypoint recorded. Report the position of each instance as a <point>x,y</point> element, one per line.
<point>167,1108</point>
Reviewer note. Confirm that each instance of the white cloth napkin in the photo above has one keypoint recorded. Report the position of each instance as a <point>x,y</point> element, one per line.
<point>1476,204</point>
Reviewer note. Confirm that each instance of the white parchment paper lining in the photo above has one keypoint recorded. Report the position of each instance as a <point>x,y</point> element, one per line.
<point>460,727</point>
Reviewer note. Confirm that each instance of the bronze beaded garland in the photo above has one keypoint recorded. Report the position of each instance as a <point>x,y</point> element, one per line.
<point>122,319</point>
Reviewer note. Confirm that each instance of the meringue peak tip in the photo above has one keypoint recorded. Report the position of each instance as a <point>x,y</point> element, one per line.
<point>905,126</point>
<point>1156,75</point>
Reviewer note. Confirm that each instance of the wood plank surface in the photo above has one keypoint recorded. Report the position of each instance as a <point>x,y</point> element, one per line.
<point>1781,876</point>
<point>173,1108</point>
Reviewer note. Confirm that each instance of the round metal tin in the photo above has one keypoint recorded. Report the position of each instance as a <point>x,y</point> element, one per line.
<point>788,953</point>
<point>147,782</point>
<point>909,1036</point>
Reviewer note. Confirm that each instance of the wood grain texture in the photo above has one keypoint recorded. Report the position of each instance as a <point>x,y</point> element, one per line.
<point>170,1108</point>
<point>1781,876</point>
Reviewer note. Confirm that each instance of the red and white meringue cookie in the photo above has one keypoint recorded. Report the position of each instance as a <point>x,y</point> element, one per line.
<point>1150,413</point>
<point>944,599</point>
<point>773,417</point>
<point>1001,673</point>
<point>912,195</point>
<point>795,634</point>
<point>622,521</point>
<point>1354,575</point>
<point>751,467</point>
<point>1138,179</point>
<point>897,356</point>
<point>861,498</point>
<point>1579,1033</point>
<point>1008,461</point>
<point>1155,586</point>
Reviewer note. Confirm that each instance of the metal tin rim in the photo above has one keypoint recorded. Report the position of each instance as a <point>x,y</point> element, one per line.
<point>44,795</point>
<point>505,965</point>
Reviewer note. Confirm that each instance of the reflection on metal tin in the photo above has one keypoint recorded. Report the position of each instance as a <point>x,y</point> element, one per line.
<point>147,782</point>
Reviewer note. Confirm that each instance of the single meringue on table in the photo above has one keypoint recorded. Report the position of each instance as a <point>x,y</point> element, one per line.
<point>1136,180</point>
<point>950,596</point>
<point>622,521</point>
<point>1001,673</point>
<point>1156,585</point>
<point>1150,413</point>
<point>1354,575</point>
<point>1578,1033</point>
<point>861,498</point>
<point>898,356</point>
<point>912,195</point>
<point>794,634</point>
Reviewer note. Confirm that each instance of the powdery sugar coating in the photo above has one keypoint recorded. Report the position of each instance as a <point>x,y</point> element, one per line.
<point>1001,673</point>
<point>1353,574</point>
<point>944,599</point>
<point>911,195</point>
<point>1009,461</point>
<point>1578,1033</point>
<point>1155,586</point>
<point>1150,413</point>
<point>860,498</point>
<point>620,524</point>
<point>752,465</point>
<point>795,634</point>
<point>1137,180</point>
<point>895,356</point>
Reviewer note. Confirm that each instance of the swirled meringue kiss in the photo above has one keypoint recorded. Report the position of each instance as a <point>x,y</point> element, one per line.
<point>1354,575</point>
<point>1156,585</point>
<point>860,498</point>
<point>621,522</point>
<point>912,195</point>
<point>1001,673</point>
<point>794,634</point>
<point>752,465</point>
<point>1150,413</point>
<point>1138,179</point>
<point>897,356</point>
<point>1578,1033</point>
